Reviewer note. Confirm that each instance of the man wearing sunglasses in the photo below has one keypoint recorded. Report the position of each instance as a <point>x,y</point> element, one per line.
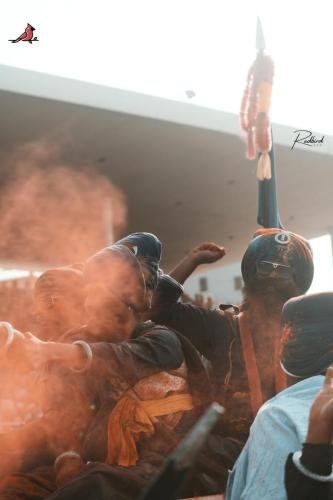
<point>241,343</point>
<point>266,269</point>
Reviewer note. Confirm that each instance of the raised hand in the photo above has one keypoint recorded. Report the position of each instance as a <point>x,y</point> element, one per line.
<point>207,252</point>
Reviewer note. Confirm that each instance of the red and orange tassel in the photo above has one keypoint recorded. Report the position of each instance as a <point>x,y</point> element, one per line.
<point>254,113</point>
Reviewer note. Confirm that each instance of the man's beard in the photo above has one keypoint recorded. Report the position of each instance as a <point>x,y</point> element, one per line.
<point>270,293</point>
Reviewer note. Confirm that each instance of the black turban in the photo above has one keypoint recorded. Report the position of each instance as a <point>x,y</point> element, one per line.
<point>280,247</point>
<point>148,249</point>
<point>308,349</point>
<point>137,249</point>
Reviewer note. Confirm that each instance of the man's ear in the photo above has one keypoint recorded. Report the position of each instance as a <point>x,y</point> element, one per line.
<point>150,294</point>
<point>148,299</point>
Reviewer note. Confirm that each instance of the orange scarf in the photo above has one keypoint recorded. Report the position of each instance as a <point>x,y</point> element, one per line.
<point>131,418</point>
<point>256,395</point>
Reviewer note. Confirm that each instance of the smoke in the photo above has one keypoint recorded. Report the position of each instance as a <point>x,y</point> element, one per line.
<point>53,214</point>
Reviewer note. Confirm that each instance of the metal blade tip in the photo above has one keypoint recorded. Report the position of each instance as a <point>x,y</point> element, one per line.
<point>260,40</point>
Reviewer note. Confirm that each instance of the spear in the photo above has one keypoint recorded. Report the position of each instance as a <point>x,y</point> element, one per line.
<point>178,465</point>
<point>268,211</point>
<point>254,119</point>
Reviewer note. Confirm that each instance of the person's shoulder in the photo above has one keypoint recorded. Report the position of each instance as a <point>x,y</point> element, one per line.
<point>162,343</point>
<point>152,330</point>
<point>292,404</point>
<point>223,315</point>
<point>303,390</point>
<point>149,328</point>
<point>225,319</point>
<point>307,388</point>
<point>274,418</point>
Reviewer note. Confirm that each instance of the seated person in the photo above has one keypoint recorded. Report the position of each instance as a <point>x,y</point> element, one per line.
<point>118,381</point>
<point>281,425</point>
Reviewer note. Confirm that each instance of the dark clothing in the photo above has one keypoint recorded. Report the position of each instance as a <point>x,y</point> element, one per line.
<point>102,482</point>
<point>151,349</point>
<point>75,402</point>
<point>34,485</point>
<point>118,367</point>
<point>86,399</point>
<point>99,481</point>
<point>215,334</point>
<point>77,412</point>
<point>317,459</point>
<point>310,318</point>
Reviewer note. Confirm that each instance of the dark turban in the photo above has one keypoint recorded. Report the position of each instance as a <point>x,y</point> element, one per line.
<point>138,249</point>
<point>308,348</point>
<point>148,249</point>
<point>280,247</point>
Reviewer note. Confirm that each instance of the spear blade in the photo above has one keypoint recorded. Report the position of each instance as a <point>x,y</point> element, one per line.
<point>260,39</point>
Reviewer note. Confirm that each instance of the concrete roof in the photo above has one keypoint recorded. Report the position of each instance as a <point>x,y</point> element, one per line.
<point>182,167</point>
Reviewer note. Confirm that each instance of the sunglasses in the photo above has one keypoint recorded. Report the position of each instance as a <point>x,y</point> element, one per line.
<point>266,268</point>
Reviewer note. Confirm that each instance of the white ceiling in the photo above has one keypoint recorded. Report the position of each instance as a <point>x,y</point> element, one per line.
<point>164,48</point>
<point>181,167</point>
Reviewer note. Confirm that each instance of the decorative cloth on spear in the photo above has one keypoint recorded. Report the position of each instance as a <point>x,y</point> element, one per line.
<point>254,120</point>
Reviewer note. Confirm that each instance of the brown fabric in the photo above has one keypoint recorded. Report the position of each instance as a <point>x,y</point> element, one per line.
<point>34,485</point>
<point>198,378</point>
<point>256,395</point>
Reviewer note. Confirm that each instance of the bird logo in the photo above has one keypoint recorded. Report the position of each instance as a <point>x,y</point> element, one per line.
<point>27,36</point>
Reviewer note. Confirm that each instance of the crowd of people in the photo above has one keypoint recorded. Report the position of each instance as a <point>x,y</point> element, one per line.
<point>117,369</point>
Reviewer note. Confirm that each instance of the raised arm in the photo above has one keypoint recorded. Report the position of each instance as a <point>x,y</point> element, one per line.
<point>206,329</point>
<point>87,370</point>
<point>205,253</point>
<point>126,362</point>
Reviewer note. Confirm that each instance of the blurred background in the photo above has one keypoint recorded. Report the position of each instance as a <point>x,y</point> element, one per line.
<point>123,117</point>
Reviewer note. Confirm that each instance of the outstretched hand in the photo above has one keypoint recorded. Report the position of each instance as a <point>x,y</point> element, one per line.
<point>7,338</point>
<point>321,414</point>
<point>207,252</point>
<point>25,352</point>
